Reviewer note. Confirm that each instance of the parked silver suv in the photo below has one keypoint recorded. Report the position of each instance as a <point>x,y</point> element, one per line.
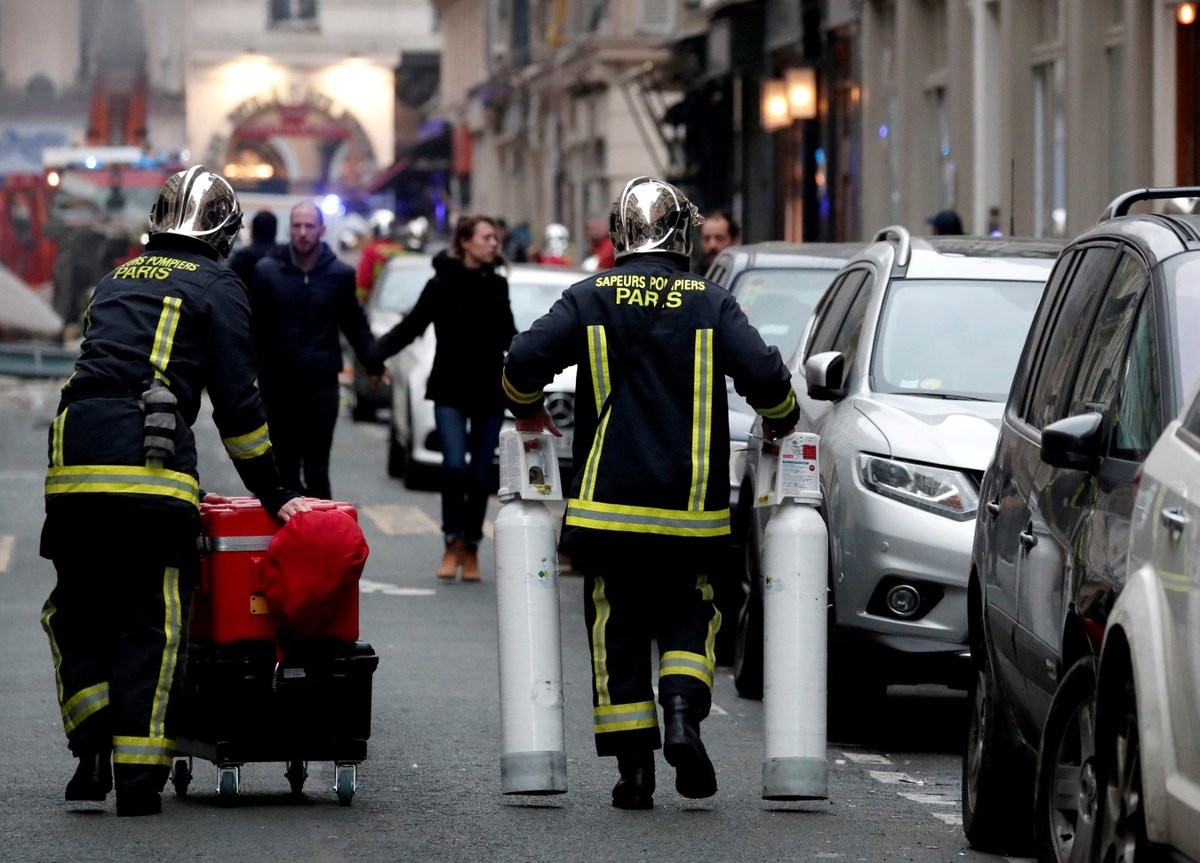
<point>903,372</point>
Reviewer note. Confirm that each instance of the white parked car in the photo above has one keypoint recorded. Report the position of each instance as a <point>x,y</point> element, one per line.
<point>903,371</point>
<point>414,450</point>
<point>395,292</point>
<point>1147,762</point>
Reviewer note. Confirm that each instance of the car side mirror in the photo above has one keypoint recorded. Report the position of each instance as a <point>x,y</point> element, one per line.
<point>1074,442</point>
<point>824,372</point>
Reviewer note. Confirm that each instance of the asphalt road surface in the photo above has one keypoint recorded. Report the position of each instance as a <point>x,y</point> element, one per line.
<point>430,787</point>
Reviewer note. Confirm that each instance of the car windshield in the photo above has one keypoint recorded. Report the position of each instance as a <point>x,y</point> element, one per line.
<point>953,339</point>
<point>778,302</point>
<point>532,299</point>
<point>400,287</point>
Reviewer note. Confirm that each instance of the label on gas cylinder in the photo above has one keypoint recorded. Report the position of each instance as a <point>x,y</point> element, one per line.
<point>798,473</point>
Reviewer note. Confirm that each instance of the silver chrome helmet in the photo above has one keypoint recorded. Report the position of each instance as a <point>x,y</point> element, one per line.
<point>416,232</point>
<point>652,216</point>
<point>201,204</point>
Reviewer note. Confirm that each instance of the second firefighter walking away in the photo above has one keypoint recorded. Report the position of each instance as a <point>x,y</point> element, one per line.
<point>653,345</point>
<point>123,487</point>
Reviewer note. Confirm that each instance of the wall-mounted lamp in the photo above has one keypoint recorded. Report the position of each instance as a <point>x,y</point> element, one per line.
<point>775,113</point>
<point>801,86</point>
<point>1185,13</point>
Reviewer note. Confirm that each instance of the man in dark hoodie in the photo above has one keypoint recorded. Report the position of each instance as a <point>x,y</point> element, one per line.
<point>301,296</point>
<point>262,243</point>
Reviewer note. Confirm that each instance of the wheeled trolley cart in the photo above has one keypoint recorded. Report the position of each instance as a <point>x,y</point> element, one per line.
<point>240,702</point>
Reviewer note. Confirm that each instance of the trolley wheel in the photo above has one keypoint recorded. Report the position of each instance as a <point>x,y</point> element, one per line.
<point>181,776</point>
<point>344,785</point>
<point>297,772</point>
<point>228,781</point>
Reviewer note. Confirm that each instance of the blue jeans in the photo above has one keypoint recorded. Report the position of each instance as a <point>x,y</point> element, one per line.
<point>468,444</point>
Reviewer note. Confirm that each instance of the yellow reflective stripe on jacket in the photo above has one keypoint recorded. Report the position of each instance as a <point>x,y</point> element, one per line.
<point>143,750</point>
<point>249,445</point>
<point>83,704</point>
<point>701,417</point>
<point>782,409</point>
<point>515,394</point>
<point>688,664</point>
<point>56,438</point>
<point>645,519</point>
<point>173,634</point>
<point>164,337</point>
<point>122,479</point>
<point>624,717</point>
<point>592,464</point>
<point>600,640</point>
<point>598,359</point>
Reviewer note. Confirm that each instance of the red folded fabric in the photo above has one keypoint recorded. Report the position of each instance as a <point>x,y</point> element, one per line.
<point>311,571</point>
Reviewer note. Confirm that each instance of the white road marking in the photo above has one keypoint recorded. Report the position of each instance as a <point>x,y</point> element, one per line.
<point>865,758</point>
<point>394,519</point>
<point>952,818</point>
<point>365,585</point>
<point>931,799</point>
<point>889,777</point>
<point>6,546</point>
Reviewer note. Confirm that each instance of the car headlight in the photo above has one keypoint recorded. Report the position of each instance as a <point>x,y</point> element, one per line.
<point>939,490</point>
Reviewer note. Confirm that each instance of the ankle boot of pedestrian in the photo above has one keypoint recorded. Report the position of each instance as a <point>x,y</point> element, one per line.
<point>451,560</point>
<point>470,564</point>
<point>695,777</point>
<point>91,783</point>
<point>635,788</point>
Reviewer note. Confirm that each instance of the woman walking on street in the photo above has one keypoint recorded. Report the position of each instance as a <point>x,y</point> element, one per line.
<point>467,303</point>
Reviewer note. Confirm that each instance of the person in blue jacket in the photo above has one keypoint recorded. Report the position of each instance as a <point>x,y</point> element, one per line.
<point>302,296</point>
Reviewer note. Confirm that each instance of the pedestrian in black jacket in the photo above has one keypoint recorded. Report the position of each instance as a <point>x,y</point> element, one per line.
<point>262,243</point>
<point>302,296</point>
<point>123,492</point>
<point>467,303</point>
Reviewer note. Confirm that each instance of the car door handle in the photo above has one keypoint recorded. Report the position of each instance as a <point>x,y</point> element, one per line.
<point>993,507</point>
<point>1027,538</point>
<point>1174,519</point>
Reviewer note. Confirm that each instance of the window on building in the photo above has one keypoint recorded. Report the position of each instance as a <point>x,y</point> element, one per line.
<point>658,16</point>
<point>1049,124</point>
<point>1117,113</point>
<point>295,14</point>
<point>938,159</point>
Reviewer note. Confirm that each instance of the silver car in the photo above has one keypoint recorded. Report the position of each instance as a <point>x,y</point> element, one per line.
<point>903,371</point>
<point>1147,737</point>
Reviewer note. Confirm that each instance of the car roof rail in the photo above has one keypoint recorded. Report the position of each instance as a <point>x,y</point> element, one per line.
<point>903,239</point>
<point>1120,205</point>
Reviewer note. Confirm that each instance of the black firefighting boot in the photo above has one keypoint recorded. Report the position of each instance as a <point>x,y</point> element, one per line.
<point>635,788</point>
<point>694,774</point>
<point>91,783</point>
<point>138,803</point>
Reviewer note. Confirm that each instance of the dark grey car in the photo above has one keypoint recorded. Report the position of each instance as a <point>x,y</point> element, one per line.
<point>1110,357</point>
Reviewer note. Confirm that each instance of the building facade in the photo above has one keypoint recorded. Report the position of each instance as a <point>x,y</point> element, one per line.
<point>556,104</point>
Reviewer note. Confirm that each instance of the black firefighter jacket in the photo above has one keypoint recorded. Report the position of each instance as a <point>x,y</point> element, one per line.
<point>297,316</point>
<point>655,471</point>
<point>473,324</point>
<point>176,316</point>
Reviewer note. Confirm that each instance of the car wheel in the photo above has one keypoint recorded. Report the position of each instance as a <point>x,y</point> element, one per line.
<point>1065,792</point>
<point>748,640</point>
<point>397,458</point>
<point>1120,833</point>
<point>995,775</point>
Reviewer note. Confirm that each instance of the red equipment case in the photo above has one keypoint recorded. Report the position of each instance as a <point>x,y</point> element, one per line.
<point>238,703</point>
<point>230,603</point>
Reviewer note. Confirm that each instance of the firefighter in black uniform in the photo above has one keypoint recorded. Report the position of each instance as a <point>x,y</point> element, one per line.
<point>122,489</point>
<point>648,509</point>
